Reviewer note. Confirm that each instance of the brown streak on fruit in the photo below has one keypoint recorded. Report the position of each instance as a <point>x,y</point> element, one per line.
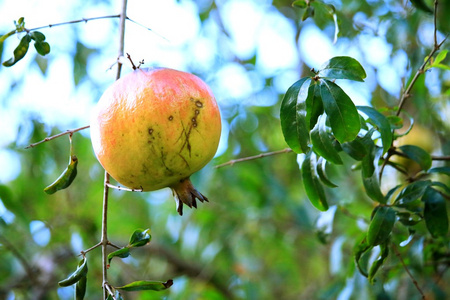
<point>185,161</point>
<point>186,143</point>
<point>163,160</point>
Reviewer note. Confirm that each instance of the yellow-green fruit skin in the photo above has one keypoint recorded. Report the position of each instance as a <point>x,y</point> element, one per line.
<point>155,127</point>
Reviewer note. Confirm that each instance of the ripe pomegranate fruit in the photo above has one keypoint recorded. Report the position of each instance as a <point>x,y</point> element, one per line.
<point>154,128</point>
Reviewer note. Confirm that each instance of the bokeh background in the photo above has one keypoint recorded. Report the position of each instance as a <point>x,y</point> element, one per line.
<point>259,237</point>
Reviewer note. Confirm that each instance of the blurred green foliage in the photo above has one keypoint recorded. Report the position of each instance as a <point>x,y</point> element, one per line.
<point>259,237</point>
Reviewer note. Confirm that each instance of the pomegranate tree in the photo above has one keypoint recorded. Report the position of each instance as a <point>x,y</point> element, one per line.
<point>154,128</point>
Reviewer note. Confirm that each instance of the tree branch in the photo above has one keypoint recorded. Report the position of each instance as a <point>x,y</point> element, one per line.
<point>71,131</point>
<point>397,253</point>
<point>261,155</point>
<point>104,240</point>
<point>120,188</point>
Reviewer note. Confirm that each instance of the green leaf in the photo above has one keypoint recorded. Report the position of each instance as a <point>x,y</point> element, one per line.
<point>65,179</point>
<point>140,237</point>
<point>321,167</point>
<point>356,149</point>
<point>421,5</point>
<point>37,36</point>
<point>122,253</point>
<point>381,225</point>
<point>369,163</point>
<point>371,182</point>
<point>314,105</point>
<point>19,52</point>
<point>309,12</point>
<point>80,272</point>
<point>293,116</point>
<point>442,185</point>
<point>80,288</point>
<point>359,249</point>
<point>382,123</point>
<point>43,48</point>
<point>342,113</point>
<point>392,191</point>
<point>440,57</point>
<point>80,60</point>
<point>313,187</point>
<point>408,219</point>
<point>395,122</point>
<point>343,67</point>
<point>300,3</point>
<point>372,188</point>
<point>417,154</point>
<point>435,213</point>
<point>412,192</point>
<point>146,285</point>
<point>322,142</point>
<point>384,247</point>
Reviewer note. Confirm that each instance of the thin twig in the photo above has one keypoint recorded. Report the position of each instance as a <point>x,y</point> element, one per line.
<point>104,240</point>
<point>435,21</point>
<point>433,157</point>
<point>85,20</point>
<point>91,248</point>
<point>73,22</point>
<point>71,131</point>
<point>407,93</point>
<point>397,253</point>
<point>261,155</point>
<point>120,188</point>
<point>110,292</point>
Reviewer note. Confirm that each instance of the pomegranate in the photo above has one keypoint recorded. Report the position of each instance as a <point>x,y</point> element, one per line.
<point>154,128</point>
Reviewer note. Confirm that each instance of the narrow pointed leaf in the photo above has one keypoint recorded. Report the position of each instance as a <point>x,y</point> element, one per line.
<point>19,52</point>
<point>66,178</point>
<point>321,167</point>
<point>372,188</point>
<point>140,237</point>
<point>314,105</point>
<point>440,170</point>
<point>378,262</point>
<point>359,249</point>
<point>80,288</point>
<point>356,149</point>
<point>381,225</point>
<point>370,162</point>
<point>300,3</point>
<point>342,113</point>
<point>37,36</point>
<point>322,142</point>
<point>293,116</point>
<point>122,253</point>
<point>412,192</point>
<point>80,272</point>
<point>343,67</point>
<point>146,285</point>
<point>435,213</point>
<point>421,5</point>
<point>382,123</point>
<point>313,187</point>
<point>369,172</point>
<point>418,155</point>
